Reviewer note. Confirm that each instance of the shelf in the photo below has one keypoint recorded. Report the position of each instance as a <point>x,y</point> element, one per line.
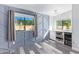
<point>65,37</point>
<point>59,36</point>
<point>69,31</point>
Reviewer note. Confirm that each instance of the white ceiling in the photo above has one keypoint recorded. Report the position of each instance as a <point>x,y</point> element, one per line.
<point>49,9</point>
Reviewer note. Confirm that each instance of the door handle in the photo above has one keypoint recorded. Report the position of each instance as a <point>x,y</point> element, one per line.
<point>33,33</point>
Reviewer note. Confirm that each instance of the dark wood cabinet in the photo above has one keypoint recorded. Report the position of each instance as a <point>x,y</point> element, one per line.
<point>68,38</point>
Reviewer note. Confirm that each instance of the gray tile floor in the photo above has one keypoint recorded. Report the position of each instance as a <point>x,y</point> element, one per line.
<point>45,47</point>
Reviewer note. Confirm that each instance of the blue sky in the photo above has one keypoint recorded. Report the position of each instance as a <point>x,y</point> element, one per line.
<point>23,18</point>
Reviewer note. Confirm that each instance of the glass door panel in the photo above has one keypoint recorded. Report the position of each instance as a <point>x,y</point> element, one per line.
<point>19,25</point>
<point>24,30</point>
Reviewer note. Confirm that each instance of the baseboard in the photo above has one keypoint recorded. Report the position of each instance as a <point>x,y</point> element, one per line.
<point>76,49</point>
<point>57,41</point>
<point>51,39</point>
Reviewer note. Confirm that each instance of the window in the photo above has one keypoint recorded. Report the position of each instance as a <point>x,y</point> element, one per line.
<point>64,24</point>
<point>59,24</point>
<point>24,22</point>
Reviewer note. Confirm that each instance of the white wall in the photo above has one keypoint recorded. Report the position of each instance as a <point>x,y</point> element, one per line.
<point>63,16</point>
<point>53,19</point>
<point>51,26</point>
<point>75,34</point>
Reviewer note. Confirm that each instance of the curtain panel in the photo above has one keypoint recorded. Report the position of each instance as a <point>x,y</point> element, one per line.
<point>11,28</point>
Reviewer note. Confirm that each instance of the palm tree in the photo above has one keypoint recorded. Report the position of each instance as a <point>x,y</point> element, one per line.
<point>67,23</point>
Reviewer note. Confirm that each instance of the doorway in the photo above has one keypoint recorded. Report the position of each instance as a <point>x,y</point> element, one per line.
<point>24,32</point>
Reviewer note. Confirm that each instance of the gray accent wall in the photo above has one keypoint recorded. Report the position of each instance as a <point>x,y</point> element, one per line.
<point>3,29</point>
<point>42,28</point>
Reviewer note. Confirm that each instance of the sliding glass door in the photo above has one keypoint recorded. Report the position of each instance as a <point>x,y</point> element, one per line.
<point>24,32</point>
